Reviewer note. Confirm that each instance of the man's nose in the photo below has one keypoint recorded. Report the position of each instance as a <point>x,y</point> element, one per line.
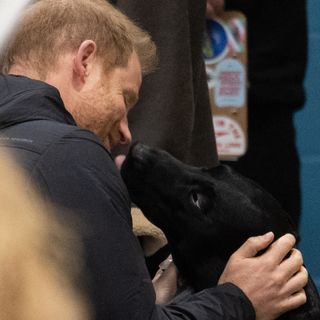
<point>124,132</point>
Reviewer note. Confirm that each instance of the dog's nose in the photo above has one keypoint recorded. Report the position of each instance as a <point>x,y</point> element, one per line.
<point>136,162</point>
<point>139,151</point>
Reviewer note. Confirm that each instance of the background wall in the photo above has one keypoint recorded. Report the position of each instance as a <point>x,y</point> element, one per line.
<point>308,140</point>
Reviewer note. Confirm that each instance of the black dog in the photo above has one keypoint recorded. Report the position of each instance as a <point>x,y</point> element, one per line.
<point>206,215</point>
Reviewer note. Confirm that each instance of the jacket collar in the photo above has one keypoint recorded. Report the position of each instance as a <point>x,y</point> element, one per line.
<point>23,99</point>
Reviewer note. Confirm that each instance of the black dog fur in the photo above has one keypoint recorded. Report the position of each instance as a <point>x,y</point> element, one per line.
<point>206,215</point>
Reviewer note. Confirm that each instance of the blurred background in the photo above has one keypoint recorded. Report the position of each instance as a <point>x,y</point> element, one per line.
<point>307,123</point>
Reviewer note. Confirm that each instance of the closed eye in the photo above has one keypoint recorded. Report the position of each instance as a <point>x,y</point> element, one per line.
<point>131,98</point>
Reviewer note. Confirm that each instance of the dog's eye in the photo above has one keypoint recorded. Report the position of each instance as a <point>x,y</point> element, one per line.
<point>196,199</point>
<point>200,200</point>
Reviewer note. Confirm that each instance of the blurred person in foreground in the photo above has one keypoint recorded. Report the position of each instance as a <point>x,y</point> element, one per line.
<point>73,70</point>
<point>40,260</point>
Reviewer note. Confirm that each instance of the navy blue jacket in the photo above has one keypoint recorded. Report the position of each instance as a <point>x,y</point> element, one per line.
<point>71,167</point>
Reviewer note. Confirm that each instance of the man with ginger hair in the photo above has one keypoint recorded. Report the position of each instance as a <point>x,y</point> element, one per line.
<point>73,70</point>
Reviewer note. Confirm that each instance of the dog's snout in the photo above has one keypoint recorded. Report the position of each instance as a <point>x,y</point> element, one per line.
<point>137,165</point>
<point>143,156</point>
<point>139,151</point>
<point>137,161</point>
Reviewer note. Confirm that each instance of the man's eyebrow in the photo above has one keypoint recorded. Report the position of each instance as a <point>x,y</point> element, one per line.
<point>131,97</point>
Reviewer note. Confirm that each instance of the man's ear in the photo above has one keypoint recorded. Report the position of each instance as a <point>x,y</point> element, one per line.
<point>83,60</point>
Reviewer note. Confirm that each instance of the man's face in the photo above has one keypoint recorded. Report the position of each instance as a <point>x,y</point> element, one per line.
<point>104,104</point>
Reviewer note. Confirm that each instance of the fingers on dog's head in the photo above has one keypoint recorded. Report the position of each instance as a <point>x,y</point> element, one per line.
<point>282,247</point>
<point>255,244</point>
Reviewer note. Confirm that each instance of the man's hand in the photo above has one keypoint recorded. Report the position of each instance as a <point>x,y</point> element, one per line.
<point>214,8</point>
<point>273,283</point>
<point>165,281</point>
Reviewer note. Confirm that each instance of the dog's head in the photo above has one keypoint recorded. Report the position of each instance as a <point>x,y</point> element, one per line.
<point>206,214</point>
